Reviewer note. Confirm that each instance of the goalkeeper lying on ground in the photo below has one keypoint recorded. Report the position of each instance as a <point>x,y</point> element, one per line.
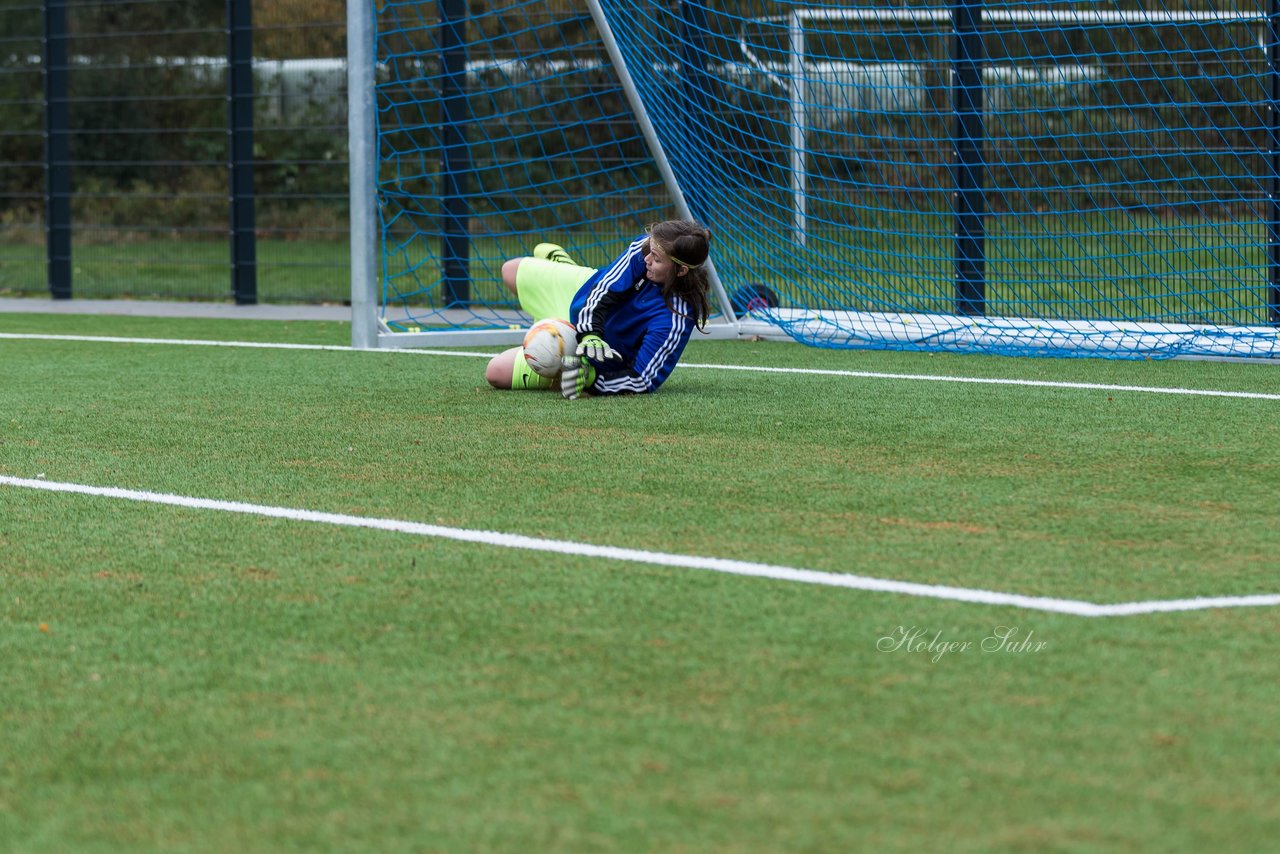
<point>633,317</point>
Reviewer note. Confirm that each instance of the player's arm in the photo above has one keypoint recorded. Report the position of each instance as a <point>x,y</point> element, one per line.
<point>659,351</point>
<point>612,287</point>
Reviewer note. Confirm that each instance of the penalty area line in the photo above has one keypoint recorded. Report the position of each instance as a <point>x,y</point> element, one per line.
<point>732,567</point>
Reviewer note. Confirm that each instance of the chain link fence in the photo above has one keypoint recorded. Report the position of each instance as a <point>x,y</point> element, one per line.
<point>174,150</point>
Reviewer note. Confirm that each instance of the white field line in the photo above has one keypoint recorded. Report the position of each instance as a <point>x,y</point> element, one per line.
<point>732,567</point>
<point>196,342</point>
<point>1195,392</point>
<point>1203,392</point>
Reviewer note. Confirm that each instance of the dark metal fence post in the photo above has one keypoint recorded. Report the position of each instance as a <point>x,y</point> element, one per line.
<point>697,85</point>
<point>693,52</point>
<point>455,247</point>
<point>57,151</point>
<point>1273,185</point>
<point>244,262</point>
<point>969,167</point>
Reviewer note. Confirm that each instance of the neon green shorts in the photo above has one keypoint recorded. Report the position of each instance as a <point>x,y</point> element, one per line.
<point>546,288</point>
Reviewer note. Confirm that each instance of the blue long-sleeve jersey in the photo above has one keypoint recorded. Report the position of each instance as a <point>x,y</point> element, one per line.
<point>629,312</point>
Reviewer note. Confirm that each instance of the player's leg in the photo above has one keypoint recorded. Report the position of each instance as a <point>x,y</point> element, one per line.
<point>510,270</point>
<point>545,288</point>
<point>544,251</point>
<point>508,369</point>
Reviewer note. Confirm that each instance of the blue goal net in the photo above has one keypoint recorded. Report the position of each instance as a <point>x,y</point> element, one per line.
<point>1008,177</point>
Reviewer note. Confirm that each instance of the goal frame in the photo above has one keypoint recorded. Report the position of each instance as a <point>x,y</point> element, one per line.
<point>372,329</point>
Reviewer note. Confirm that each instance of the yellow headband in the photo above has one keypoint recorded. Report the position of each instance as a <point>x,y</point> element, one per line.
<point>673,258</point>
<point>683,264</point>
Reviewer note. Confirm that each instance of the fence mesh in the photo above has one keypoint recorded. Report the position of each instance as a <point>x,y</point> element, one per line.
<point>146,97</point>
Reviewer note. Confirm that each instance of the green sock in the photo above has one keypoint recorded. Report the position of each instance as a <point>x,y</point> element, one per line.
<point>525,377</point>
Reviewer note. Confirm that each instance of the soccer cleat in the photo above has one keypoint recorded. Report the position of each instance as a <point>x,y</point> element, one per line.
<point>552,252</point>
<point>576,376</point>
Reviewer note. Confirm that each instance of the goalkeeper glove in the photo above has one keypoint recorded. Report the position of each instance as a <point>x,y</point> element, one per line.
<point>576,376</point>
<point>595,349</point>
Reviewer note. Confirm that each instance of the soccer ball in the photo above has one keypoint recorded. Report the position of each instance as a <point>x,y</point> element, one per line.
<point>546,343</point>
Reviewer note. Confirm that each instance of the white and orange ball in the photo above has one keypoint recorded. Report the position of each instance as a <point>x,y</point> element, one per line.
<point>546,343</point>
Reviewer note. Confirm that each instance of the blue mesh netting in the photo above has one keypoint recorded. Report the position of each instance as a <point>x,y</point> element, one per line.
<point>1012,177</point>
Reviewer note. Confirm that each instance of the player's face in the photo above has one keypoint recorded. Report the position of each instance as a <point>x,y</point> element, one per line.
<point>658,267</point>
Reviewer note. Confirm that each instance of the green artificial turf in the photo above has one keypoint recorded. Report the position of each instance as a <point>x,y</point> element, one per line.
<point>183,679</point>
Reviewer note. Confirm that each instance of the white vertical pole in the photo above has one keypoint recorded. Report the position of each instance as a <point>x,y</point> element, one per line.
<point>799,124</point>
<point>362,144</point>
<point>655,146</point>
